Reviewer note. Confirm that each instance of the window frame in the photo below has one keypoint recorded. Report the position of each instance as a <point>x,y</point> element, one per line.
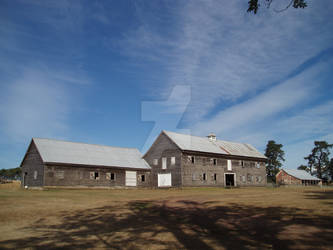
<point>164,163</point>
<point>173,160</point>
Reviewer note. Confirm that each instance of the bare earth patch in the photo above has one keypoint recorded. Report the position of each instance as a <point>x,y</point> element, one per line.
<point>191,218</point>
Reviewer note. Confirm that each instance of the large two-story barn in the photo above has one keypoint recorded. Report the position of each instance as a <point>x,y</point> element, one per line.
<point>174,160</point>
<point>186,160</point>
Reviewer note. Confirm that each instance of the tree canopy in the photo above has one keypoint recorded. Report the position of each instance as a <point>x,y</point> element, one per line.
<point>254,5</point>
<point>11,173</point>
<point>318,160</point>
<point>275,156</point>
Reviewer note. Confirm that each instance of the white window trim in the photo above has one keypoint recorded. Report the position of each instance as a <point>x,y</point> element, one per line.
<point>164,163</point>
<point>173,160</point>
<point>229,165</point>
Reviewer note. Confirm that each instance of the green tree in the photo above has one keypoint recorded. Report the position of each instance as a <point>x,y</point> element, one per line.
<point>330,169</point>
<point>303,167</point>
<point>319,158</point>
<point>254,5</point>
<point>275,156</point>
<point>11,173</point>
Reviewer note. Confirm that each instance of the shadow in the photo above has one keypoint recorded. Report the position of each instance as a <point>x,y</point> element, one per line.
<point>324,195</point>
<point>181,224</point>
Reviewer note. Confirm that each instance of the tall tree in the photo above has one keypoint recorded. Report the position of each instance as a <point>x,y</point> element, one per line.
<point>319,158</point>
<point>330,169</point>
<point>275,156</point>
<point>254,5</point>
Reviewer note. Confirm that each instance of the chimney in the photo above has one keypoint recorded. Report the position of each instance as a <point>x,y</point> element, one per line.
<point>211,137</point>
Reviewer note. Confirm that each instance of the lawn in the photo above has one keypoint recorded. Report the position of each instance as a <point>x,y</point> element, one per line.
<point>192,218</point>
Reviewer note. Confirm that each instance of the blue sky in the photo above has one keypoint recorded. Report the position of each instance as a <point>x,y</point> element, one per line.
<point>117,72</point>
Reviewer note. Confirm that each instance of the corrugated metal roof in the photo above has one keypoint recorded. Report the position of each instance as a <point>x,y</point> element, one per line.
<point>56,151</point>
<point>202,144</point>
<point>301,174</point>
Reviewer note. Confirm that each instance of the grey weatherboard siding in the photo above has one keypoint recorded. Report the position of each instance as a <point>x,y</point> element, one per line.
<point>248,165</point>
<point>185,173</point>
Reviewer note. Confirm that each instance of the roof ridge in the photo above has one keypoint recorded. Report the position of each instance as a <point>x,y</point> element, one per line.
<point>93,144</point>
<point>203,137</point>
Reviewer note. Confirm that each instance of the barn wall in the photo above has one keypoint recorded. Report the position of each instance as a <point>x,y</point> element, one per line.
<point>164,147</point>
<point>285,179</point>
<point>58,175</point>
<point>193,172</point>
<point>32,162</point>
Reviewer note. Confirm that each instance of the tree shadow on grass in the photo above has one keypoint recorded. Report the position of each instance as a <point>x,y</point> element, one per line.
<point>181,224</point>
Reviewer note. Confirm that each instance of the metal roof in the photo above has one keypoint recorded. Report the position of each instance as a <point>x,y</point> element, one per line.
<point>203,144</point>
<point>65,152</point>
<point>301,174</point>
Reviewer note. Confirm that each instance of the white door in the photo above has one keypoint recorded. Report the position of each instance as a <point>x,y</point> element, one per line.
<point>164,180</point>
<point>130,178</point>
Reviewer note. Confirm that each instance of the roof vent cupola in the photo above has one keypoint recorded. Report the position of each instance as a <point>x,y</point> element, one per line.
<point>211,137</point>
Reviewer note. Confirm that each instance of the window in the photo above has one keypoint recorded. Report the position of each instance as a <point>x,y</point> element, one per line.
<point>229,165</point>
<point>59,174</point>
<point>110,176</point>
<point>243,178</point>
<point>155,162</point>
<point>215,177</point>
<point>257,164</point>
<point>164,163</point>
<point>35,175</point>
<point>213,161</point>
<point>248,177</point>
<point>192,159</point>
<point>173,160</point>
<point>241,163</point>
<point>204,176</point>
<point>94,175</point>
<point>143,178</point>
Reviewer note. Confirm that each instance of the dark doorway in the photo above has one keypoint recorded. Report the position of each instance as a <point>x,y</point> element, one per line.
<point>229,180</point>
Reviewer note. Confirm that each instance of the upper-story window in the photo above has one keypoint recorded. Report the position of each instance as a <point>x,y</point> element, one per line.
<point>164,163</point>
<point>229,165</point>
<point>173,160</point>
<point>191,159</point>
<point>257,164</point>
<point>213,161</point>
<point>241,163</point>
<point>155,162</point>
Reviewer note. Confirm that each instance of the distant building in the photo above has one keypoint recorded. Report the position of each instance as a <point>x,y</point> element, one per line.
<point>296,177</point>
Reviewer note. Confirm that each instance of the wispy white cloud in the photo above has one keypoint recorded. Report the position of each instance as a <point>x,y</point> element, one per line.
<point>34,104</point>
<point>255,111</point>
<point>226,54</point>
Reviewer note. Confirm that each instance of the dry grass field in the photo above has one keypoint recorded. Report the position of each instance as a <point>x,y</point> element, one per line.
<point>191,218</point>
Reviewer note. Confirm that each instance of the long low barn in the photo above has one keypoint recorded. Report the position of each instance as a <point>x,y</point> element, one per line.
<point>296,177</point>
<point>62,163</point>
